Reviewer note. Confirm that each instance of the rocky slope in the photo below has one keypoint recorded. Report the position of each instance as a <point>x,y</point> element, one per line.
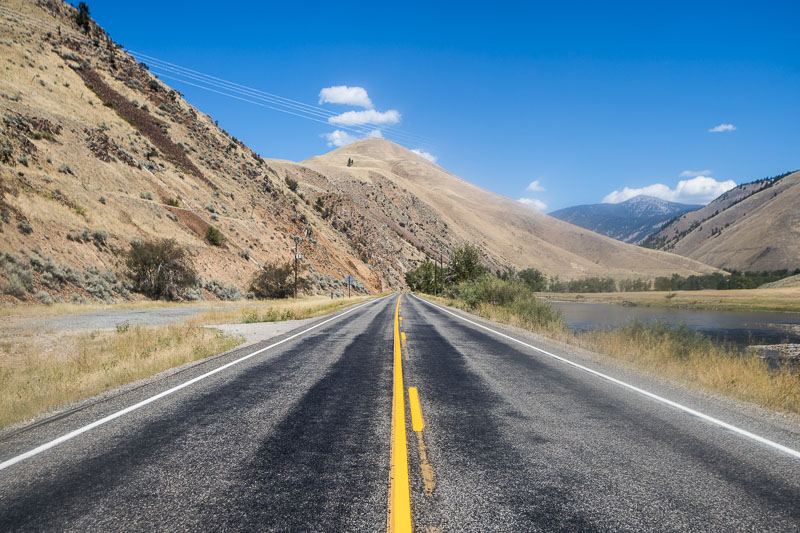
<point>433,211</point>
<point>755,226</point>
<point>630,221</point>
<point>96,152</point>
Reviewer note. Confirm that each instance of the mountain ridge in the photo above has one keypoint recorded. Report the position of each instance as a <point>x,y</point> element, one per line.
<point>755,226</point>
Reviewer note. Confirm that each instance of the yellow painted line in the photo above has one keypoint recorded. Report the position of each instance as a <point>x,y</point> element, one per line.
<point>416,411</point>
<point>403,335</point>
<point>399,491</point>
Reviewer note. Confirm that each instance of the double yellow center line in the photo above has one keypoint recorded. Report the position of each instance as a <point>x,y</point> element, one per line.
<point>399,492</point>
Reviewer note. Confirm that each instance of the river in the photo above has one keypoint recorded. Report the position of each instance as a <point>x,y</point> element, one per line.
<point>739,328</point>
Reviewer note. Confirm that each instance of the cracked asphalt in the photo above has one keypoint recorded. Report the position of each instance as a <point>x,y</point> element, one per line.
<point>297,438</point>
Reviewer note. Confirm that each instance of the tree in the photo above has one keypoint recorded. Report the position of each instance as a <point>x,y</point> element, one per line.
<point>421,278</point>
<point>277,281</point>
<point>534,279</point>
<point>82,18</point>
<point>291,183</point>
<point>465,264</point>
<point>160,268</point>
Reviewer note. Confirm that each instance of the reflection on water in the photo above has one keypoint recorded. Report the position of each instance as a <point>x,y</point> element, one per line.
<point>741,328</point>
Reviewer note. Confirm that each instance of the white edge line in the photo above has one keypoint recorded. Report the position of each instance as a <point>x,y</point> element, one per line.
<point>72,434</point>
<point>643,392</point>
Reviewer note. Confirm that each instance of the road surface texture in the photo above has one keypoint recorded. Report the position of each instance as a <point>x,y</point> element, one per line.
<point>299,437</point>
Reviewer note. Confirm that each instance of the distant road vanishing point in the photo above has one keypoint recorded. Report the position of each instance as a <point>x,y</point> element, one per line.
<point>316,430</point>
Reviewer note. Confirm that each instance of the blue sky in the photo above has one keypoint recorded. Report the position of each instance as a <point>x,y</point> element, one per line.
<point>584,98</point>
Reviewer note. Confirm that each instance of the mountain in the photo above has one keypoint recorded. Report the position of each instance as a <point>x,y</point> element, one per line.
<point>433,211</point>
<point>755,226</point>
<point>96,152</point>
<point>630,221</point>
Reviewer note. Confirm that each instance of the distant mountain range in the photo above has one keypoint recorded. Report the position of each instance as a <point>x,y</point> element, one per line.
<point>631,221</point>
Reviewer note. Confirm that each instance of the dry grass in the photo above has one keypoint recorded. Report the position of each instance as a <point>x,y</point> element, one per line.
<point>275,311</point>
<point>779,299</point>
<point>694,360</point>
<point>675,353</point>
<point>39,372</point>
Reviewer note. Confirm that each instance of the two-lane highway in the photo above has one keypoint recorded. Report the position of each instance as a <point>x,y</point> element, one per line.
<point>300,437</point>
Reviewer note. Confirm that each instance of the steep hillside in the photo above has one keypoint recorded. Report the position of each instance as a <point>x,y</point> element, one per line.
<point>95,152</point>
<point>755,226</point>
<point>433,211</point>
<point>630,221</point>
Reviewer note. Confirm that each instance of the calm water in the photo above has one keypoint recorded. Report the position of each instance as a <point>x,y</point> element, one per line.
<point>741,328</point>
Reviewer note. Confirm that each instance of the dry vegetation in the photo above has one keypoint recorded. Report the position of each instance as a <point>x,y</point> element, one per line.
<point>40,371</point>
<point>274,311</point>
<point>673,353</point>
<point>778,299</point>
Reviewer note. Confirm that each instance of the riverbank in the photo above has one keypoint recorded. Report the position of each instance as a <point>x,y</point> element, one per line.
<point>786,299</point>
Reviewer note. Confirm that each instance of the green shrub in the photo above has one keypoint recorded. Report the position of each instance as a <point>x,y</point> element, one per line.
<point>291,183</point>
<point>25,227</point>
<point>214,236</point>
<point>17,280</point>
<point>160,268</point>
<point>277,281</point>
<point>513,296</point>
<point>222,291</point>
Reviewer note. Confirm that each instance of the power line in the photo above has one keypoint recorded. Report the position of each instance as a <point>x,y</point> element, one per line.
<point>220,82</point>
<point>274,102</point>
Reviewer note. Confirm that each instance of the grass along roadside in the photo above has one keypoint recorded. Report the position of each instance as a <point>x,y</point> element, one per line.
<point>669,352</point>
<point>41,371</point>
<point>274,311</point>
<point>40,310</point>
<point>786,299</point>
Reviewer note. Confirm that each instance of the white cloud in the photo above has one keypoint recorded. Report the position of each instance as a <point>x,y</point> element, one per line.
<point>534,203</point>
<point>427,155</point>
<point>357,118</point>
<point>693,173</point>
<point>722,127</point>
<point>339,138</point>
<point>698,190</point>
<point>342,94</point>
<point>534,186</point>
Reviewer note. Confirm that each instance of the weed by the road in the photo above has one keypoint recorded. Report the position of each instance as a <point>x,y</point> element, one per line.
<point>682,354</point>
<point>275,311</point>
<point>40,372</point>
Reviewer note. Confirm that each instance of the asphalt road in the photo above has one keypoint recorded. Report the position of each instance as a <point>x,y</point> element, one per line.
<point>298,438</point>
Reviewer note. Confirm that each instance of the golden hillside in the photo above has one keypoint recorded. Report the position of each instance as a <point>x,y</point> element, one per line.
<point>755,226</point>
<point>441,210</point>
<point>96,152</point>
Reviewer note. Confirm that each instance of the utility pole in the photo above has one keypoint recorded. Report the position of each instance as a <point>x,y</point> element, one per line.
<point>441,271</point>
<point>435,279</point>
<point>297,256</point>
